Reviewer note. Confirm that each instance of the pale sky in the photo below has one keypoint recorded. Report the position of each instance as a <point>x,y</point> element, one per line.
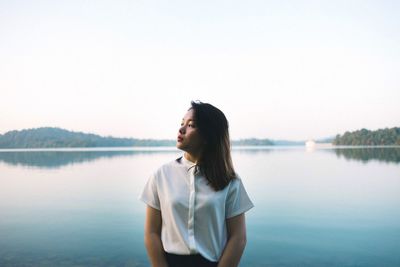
<point>277,69</point>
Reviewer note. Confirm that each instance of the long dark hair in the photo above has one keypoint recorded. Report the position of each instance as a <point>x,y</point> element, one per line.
<point>215,161</point>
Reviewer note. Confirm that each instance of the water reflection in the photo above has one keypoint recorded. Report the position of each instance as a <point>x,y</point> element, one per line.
<point>366,154</point>
<point>58,159</point>
<point>53,159</point>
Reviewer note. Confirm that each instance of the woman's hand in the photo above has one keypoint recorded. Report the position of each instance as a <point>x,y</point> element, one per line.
<point>152,238</point>
<point>234,248</point>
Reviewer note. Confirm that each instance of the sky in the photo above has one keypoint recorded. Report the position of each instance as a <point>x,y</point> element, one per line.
<point>292,70</point>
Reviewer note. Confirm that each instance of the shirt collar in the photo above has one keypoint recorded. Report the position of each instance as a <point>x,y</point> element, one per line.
<point>189,164</point>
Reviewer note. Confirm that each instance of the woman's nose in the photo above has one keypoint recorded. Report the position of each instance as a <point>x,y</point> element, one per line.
<point>181,129</point>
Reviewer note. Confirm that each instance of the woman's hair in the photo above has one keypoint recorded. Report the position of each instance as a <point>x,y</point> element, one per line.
<point>215,161</point>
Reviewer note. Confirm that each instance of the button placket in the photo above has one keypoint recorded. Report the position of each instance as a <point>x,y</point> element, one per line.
<point>192,243</point>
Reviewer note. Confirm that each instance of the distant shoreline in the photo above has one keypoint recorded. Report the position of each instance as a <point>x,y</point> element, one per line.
<point>58,138</point>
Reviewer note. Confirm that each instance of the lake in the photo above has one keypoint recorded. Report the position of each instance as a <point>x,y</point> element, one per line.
<point>313,207</point>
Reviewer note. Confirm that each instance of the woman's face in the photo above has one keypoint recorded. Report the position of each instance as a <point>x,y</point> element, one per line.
<point>189,138</point>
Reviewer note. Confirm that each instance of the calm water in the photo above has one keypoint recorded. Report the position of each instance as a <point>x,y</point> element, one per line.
<point>326,207</point>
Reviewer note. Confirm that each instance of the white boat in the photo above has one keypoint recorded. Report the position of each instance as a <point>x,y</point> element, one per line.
<point>310,143</point>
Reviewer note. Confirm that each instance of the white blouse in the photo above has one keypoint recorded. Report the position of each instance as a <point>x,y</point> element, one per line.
<point>193,214</point>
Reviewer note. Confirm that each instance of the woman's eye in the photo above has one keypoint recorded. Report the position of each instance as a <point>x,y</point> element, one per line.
<point>189,125</point>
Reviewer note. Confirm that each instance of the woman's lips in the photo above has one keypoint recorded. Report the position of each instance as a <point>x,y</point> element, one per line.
<point>179,139</point>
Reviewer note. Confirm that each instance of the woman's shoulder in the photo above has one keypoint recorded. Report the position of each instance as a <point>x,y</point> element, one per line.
<point>169,166</point>
<point>236,182</point>
<point>237,178</point>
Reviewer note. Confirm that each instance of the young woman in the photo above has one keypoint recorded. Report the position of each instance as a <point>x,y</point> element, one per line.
<point>196,203</point>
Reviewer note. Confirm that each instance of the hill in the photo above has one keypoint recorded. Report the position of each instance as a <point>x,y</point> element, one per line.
<point>48,137</point>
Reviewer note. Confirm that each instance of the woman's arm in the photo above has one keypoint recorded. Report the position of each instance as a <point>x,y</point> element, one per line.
<point>234,248</point>
<point>152,238</point>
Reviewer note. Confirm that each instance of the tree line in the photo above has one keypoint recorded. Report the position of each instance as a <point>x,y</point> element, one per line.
<point>364,137</point>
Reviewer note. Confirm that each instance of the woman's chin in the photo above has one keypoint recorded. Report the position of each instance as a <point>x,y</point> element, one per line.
<point>178,145</point>
<point>181,147</point>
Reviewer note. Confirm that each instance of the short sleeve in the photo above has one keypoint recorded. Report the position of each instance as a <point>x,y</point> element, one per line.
<point>238,200</point>
<point>150,194</point>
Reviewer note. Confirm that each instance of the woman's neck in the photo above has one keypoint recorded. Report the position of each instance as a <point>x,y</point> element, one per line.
<point>191,157</point>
